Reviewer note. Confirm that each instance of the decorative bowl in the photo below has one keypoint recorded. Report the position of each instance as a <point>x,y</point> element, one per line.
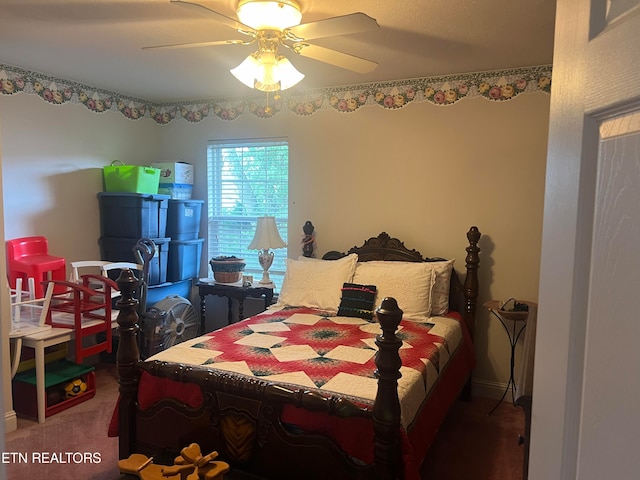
<point>227,269</point>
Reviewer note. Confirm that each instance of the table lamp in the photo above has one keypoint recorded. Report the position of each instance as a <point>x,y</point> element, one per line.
<point>266,237</point>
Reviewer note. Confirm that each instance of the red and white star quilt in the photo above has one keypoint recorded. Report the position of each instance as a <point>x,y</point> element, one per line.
<point>325,353</point>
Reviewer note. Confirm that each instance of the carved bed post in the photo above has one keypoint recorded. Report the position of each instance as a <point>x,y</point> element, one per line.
<point>127,358</point>
<point>471,280</point>
<point>471,292</point>
<point>386,407</point>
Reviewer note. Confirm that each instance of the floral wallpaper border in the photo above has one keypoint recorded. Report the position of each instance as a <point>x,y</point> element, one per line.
<point>496,86</point>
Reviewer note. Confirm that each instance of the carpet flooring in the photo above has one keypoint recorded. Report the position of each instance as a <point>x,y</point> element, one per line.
<point>81,428</point>
<point>470,444</point>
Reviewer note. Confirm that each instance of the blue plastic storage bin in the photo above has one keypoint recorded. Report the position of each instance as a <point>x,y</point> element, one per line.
<point>176,190</point>
<point>133,215</point>
<point>156,293</point>
<point>184,259</point>
<point>121,250</point>
<point>183,219</point>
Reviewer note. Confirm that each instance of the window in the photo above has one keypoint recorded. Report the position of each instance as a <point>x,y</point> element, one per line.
<point>247,179</point>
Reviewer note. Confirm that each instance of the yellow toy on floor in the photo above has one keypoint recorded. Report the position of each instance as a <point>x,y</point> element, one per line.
<point>190,465</point>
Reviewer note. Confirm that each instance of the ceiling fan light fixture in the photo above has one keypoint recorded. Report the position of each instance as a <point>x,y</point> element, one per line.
<point>245,72</point>
<point>270,15</point>
<point>267,75</point>
<point>267,72</point>
<point>288,74</point>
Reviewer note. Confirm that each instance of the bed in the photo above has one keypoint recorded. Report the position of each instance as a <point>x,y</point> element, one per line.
<point>352,383</point>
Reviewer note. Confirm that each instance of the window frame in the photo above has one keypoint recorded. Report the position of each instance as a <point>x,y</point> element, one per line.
<point>240,193</point>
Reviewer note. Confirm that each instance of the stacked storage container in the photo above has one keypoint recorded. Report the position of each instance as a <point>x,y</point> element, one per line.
<point>176,179</point>
<point>185,248</point>
<point>125,218</point>
<point>170,218</point>
<point>183,220</point>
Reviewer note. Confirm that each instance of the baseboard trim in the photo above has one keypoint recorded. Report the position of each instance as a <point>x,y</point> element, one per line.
<point>10,421</point>
<point>487,388</point>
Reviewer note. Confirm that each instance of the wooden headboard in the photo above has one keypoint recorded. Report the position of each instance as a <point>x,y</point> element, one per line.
<point>462,296</point>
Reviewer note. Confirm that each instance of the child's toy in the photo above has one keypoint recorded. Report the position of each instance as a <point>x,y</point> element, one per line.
<point>190,465</point>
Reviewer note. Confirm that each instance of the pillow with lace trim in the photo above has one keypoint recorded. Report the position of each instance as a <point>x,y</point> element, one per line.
<point>410,283</point>
<point>441,286</point>
<point>316,284</point>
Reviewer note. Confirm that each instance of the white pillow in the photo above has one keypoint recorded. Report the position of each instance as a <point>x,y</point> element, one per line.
<point>440,290</point>
<point>316,284</point>
<point>410,283</point>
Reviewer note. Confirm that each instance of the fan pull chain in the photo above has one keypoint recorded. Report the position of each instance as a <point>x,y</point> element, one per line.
<point>267,108</point>
<point>276,97</point>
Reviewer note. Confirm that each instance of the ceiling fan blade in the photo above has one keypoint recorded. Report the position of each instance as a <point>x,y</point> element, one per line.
<point>344,25</point>
<point>197,44</point>
<point>334,57</point>
<point>206,8</point>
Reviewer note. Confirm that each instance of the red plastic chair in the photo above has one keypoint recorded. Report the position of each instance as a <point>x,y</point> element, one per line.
<point>85,309</point>
<point>28,257</point>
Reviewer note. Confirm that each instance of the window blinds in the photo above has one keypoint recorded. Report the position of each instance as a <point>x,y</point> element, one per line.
<point>247,179</point>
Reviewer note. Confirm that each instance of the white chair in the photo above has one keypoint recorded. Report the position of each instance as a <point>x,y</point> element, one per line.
<point>28,316</point>
<point>83,267</point>
<point>112,270</point>
<point>106,269</point>
<point>91,267</point>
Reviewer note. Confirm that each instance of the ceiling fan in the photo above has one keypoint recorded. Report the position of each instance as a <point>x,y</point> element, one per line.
<point>275,26</point>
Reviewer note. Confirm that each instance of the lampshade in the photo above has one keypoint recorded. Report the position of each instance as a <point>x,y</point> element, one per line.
<point>269,14</point>
<point>267,235</point>
<point>267,72</point>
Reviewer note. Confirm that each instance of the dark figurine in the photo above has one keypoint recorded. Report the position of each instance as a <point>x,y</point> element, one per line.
<point>308,241</point>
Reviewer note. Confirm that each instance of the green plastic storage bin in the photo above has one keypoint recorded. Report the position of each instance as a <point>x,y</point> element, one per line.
<point>131,178</point>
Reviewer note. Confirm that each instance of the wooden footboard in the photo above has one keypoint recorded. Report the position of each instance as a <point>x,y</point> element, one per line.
<point>242,421</point>
<point>241,418</point>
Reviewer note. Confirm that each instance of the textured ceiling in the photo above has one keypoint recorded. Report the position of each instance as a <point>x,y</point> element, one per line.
<point>100,42</point>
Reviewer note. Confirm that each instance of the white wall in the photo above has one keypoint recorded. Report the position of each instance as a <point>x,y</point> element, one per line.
<point>52,164</point>
<point>9,421</point>
<point>424,174</point>
<point>52,159</point>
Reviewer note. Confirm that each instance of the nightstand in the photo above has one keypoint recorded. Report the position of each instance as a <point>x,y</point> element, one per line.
<point>239,293</point>
<point>518,324</point>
